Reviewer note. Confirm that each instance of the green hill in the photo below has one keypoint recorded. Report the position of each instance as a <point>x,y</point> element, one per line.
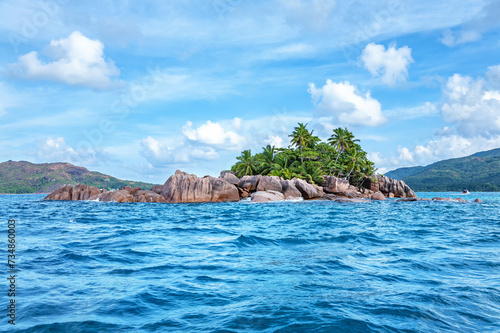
<point>25,177</point>
<point>478,172</point>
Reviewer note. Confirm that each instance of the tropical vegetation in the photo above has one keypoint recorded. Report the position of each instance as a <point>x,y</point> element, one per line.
<point>309,158</point>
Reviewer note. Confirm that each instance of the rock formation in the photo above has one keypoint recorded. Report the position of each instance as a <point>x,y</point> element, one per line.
<point>335,185</point>
<point>378,196</point>
<point>308,191</point>
<point>266,196</point>
<point>269,183</point>
<point>184,187</point>
<point>289,190</point>
<point>79,192</point>
<point>85,192</point>
<point>389,186</point>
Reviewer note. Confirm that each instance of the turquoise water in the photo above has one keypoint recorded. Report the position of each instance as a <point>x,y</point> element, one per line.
<point>240,267</point>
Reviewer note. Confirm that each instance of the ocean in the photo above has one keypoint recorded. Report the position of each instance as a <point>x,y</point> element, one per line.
<point>316,266</point>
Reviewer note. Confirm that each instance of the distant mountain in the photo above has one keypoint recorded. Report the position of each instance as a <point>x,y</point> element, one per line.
<point>478,172</point>
<point>25,177</point>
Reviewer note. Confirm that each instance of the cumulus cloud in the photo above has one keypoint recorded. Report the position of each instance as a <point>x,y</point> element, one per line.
<point>76,60</point>
<point>471,106</point>
<point>57,150</point>
<point>390,65</point>
<point>162,153</point>
<point>346,104</point>
<point>204,142</point>
<point>213,134</point>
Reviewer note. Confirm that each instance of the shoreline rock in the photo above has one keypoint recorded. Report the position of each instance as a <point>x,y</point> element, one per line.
<point>183,187</point>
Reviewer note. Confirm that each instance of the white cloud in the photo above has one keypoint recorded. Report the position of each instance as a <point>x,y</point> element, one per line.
<point>77,60</point>
<point>391,65</point>
<point>56,150</point>
<point>446,147</point>
<point>164,153</point>
<point>427,109</point>
<point>345,103</point>
<point>471,107</point>
<point>213,134</point>
<point>472,30</point>
<point>493,76</point>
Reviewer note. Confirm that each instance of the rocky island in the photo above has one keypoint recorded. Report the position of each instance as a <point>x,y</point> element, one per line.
<point>308,169</point>
<point>188,188</point>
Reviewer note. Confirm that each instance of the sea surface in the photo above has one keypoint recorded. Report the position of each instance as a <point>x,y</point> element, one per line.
<point>317,266</point>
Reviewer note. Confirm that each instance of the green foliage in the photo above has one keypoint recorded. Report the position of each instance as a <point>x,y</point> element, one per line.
<point>478,172</point>
<point>309,158</point>
<point>246,165</point>
<point>26,177</point>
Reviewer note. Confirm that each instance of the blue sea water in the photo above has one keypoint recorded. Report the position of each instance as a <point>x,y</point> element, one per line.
<point>240,267</point>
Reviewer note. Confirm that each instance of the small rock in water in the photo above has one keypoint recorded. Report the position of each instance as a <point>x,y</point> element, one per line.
<point>378,196</point>
<point>478,201</point>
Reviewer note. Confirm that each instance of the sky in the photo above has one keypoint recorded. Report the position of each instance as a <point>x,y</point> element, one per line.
<point>138,89</point>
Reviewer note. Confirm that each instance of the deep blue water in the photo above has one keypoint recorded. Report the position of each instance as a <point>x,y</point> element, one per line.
<point>242,267</point>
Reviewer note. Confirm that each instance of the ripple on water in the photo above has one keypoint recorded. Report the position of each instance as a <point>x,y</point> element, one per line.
<point>288,267</point>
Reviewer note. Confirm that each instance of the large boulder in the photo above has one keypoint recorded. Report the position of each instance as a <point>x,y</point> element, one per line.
<point>249,183</point>
<point>148,196</point>
<point>308,191</point>
<point>78,192</point>
<point>289,190</point>
<point>229,177</point>
<point>333,184</point>
<point>184,187</point>
<point>371,184</point>
<point>269,183</point>
<point>266,196</point>
<point>117,196</point>
<point>399,188</point>
<point>378,196</point>
<point>157,188</point>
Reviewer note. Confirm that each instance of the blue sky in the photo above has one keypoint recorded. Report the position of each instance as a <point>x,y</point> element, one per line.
<point>140,89</point>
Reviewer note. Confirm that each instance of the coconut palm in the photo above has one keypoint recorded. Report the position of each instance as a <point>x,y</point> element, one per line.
<point>266,159</point>
<point>285,167</point>
<point>312,173</point>
<point>342,140</point>
<point>301,137</point>
<point>246,165</point>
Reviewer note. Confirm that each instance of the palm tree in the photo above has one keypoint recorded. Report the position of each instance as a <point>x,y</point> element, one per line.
<point>356,159</point>
<point>301,138</point>
<point>284,167</point>
<point>266,159</point>
<point>246,165</point>
<point>312,173</point>
<point>342,140</point>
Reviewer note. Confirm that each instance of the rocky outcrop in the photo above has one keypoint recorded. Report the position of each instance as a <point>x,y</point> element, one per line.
<point>333,184</point>
<point>289,190</point>
<point>78,192</point>
<point>308,191</point>
<point>85,192</point>
<point>266,196</point>
<point>157,188</point>
<point>399,188</point>
<point>343,199</point>
<point>117,196</point>
<point>229,177</point>
<point>249,183</point>
<point>378,196</point>
<point>270,183</point>
<point>184,187</point>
